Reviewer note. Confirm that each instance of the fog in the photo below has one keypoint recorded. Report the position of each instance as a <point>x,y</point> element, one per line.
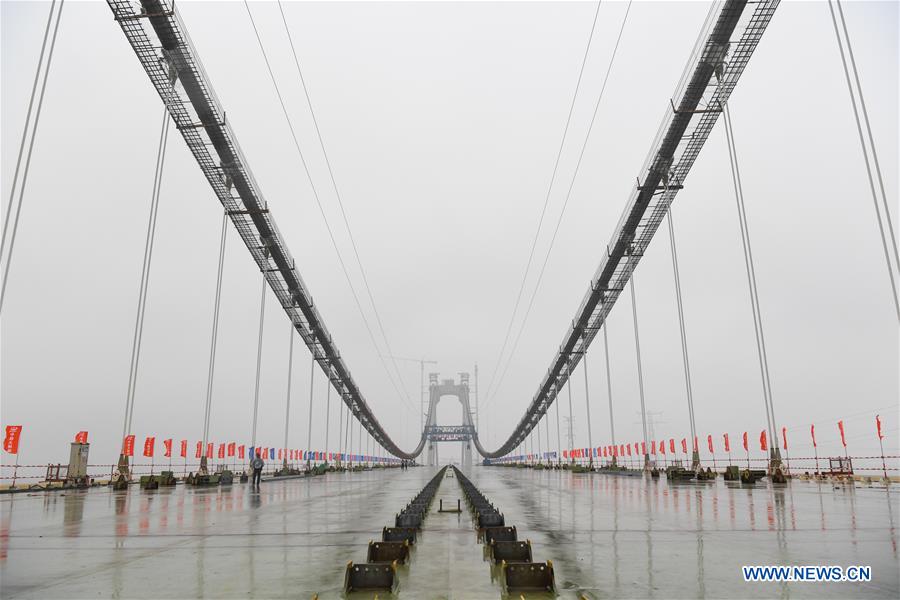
<point>442,123</point>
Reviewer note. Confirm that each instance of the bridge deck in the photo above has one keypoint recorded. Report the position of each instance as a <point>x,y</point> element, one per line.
<point>607,536</point>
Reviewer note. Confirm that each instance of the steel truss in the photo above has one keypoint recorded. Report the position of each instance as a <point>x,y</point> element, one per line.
<point>717,66</point>
<point>173,65</point>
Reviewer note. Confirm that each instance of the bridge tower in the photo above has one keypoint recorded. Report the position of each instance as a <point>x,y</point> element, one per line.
<point>435,433</point>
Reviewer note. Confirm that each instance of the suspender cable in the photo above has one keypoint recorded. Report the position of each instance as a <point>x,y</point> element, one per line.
<point>214,336</point>
<point>569,389</point>
<point>587,403</point>
<point>865,151</point>
<point>137,338</point>
<point>558,438</point>
<point>34,126</point>
<point>340,432</point>
<point>540,449</point>
<point>312,379</point>
<point>640,370</point>
<point>695,457</point>
<point>287,404</point>
<point>751,284</point>
<point>612,426</point>
<point>348,438</point>
<point>259,347</point>
<point>327,416</point>
<point>547,433</point>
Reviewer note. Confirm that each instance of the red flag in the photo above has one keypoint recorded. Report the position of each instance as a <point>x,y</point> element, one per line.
<point>812,432</point>
<point>684,445</point>
<point>167,444</point>
<point>784,436</point>
<point>209,450</point>
<point>199,449</point>
<point>727,445</point>
<point>644,448</point>
<point>662,447</point>
<point>841,427</point>
<point>762,441</point>
<point>148,446</point>
<point>128,449</point>
<point>628,448</point>
<point>745,442</point>
<point>279,454</point>
<point>231,446</point>
<point>81,437</point>
<point>709,443</point>
<point>672,445</point>
<point>11,441</point>
<point>696,445</point>
<point>565,454</point>
<point>653,447</point>
<point>222,450</point>
<point>183,448</point>
<point>878,425</point>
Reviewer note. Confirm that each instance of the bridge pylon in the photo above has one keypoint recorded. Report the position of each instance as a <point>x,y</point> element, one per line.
<point>434,433</point>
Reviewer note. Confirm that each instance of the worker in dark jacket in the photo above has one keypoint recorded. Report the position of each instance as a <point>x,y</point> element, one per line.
<point>257,465</point>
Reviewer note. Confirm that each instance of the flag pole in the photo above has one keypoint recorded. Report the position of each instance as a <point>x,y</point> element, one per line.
<point>15,471</point>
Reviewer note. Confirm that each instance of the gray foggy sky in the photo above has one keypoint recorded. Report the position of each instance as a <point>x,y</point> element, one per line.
<point>442,123</point>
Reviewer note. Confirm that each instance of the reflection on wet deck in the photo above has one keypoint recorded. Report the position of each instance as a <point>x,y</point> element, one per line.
<point>608,536</point>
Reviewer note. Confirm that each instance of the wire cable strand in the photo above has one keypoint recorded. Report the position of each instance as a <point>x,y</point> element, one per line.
<point>319,204</point>
<point>865,153</point>
<point>214,336</point>
<point>565,204</point>
<point>37,117</point>
<point>340,201</point>
<point>751,278</point>
<point>34,85</point>
<point>143,289</point>
<point>537,232</point>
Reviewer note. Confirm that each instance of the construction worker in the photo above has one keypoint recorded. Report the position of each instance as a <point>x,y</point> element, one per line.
<point>257,465</point>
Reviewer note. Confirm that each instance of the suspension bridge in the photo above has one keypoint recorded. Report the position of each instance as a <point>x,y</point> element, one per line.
<point>547,496</point>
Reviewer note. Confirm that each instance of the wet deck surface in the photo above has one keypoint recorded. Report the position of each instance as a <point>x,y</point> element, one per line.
<point>608,537</point>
